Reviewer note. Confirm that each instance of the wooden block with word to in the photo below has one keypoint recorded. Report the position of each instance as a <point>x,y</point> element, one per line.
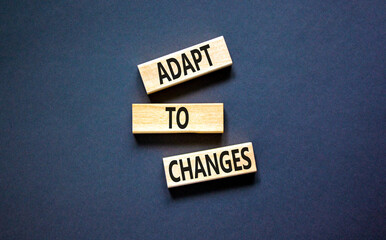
<point>178,118</point>
<point>209,165</point>
<point>185,64</point>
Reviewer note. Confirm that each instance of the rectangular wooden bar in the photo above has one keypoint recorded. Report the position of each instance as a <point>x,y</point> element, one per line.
<point>185,64</point>
<point>209,165</point>
<point>178,118</point>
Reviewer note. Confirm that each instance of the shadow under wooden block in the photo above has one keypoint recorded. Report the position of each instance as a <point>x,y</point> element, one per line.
<point>183,139</point>
<point>223,184</point>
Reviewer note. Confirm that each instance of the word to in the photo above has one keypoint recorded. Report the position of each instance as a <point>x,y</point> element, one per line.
<point>178,118</point>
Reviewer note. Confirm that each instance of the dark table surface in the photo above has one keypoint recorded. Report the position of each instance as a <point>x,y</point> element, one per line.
<point>307,87</point>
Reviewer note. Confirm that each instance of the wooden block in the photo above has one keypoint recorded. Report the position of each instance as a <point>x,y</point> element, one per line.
<point>185,64</point>
<point>209,165</point>
<point>178,118</point>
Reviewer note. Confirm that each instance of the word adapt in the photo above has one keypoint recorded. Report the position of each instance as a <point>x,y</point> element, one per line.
<point>185,64</point>
<point>178,118</point>
<point>209,165</point>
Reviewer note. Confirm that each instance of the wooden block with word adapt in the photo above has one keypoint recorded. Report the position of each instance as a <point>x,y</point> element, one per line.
<point>185,64</point>
<point>178,118</point>
<point>209,165</point>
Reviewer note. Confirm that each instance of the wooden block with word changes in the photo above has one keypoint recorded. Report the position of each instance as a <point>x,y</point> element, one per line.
<point>185,64</point>
<point>178,118</point>
<point>209,165</point>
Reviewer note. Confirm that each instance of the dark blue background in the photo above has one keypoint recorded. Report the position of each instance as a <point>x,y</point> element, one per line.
<point>307,87</point>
